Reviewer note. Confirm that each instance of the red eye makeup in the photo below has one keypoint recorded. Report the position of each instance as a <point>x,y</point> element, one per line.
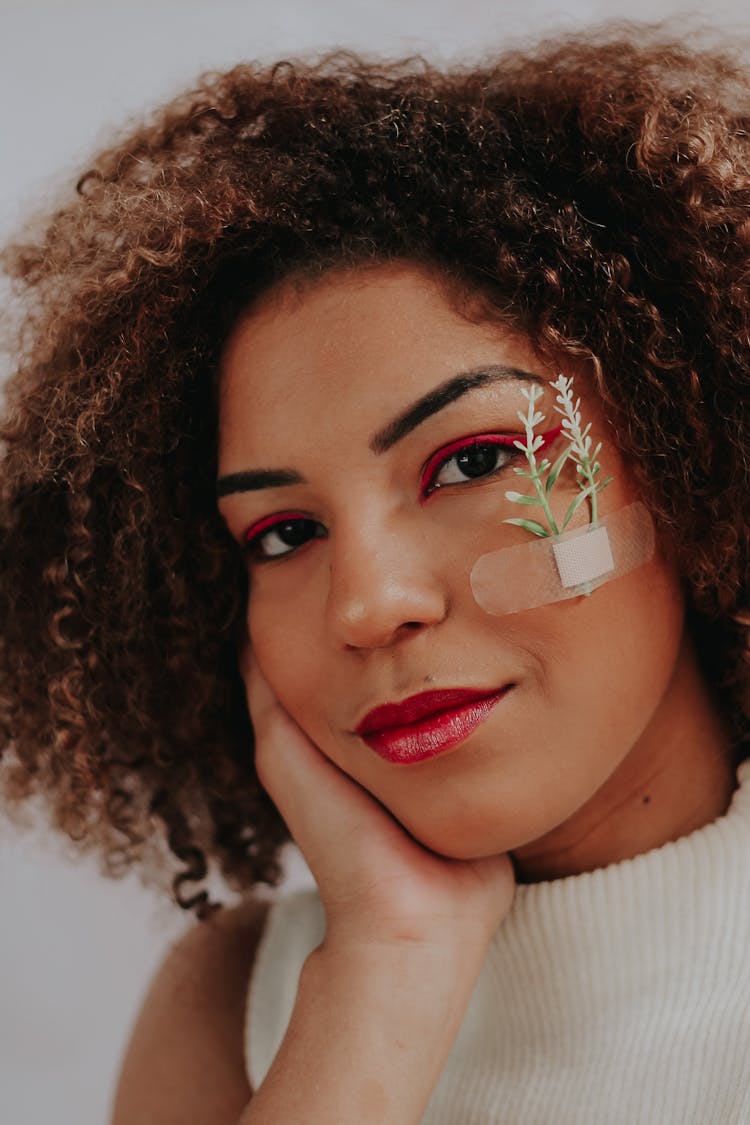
<point>476,457</point>
<point>280,534</point>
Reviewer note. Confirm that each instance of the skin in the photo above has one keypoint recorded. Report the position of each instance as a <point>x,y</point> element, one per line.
<point>406,934</point>
<point>185,1062</point>
<point>608,744</point>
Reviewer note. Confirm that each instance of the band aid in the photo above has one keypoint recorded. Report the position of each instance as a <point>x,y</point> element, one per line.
<point>564,566</point>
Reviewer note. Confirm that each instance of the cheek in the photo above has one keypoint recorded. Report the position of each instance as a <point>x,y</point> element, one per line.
<point>288,654</point>
<point>622,648</point>
<point>276,642</point>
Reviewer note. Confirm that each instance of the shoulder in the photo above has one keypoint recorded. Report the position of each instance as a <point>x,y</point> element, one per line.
<point>185,1061</point>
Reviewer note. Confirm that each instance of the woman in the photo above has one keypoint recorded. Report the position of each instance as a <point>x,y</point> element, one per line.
<point>263,439</point>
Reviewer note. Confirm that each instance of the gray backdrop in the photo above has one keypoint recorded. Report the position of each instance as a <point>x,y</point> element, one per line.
<point>76,951</point>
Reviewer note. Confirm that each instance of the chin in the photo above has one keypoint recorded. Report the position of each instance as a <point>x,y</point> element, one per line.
<point>461,840</point>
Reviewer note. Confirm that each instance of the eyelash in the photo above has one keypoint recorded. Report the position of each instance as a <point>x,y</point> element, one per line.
<point>454,449</point>
<point>256,533</point>
<point>445,455</point>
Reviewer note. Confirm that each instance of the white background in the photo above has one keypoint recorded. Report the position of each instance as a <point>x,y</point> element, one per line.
<point>76,951</point>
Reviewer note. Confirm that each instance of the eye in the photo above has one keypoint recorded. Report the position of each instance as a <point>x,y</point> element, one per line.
<point>280,535</point>
<point>468,459</point>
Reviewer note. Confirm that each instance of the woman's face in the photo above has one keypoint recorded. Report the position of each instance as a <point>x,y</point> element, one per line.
<point>362,597</point>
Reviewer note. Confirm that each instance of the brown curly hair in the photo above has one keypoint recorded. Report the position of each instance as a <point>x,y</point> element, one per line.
<point>595,189</point>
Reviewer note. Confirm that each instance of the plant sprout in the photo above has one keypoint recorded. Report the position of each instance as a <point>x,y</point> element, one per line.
<point>578,450</point>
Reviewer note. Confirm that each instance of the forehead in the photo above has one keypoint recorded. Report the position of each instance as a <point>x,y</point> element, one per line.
<point>366,339</point>
<point>331,316</point>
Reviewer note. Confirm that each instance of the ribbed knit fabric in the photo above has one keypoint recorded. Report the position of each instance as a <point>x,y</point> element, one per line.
<point>617,997</point>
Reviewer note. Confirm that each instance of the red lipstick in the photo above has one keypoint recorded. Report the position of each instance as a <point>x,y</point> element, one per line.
<point>425,725</point>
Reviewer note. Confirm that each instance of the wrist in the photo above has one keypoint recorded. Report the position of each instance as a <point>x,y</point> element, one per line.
<point>457,938</point>
<point>415,964</point>
<point>370,1032</point>
<point>421,989</point>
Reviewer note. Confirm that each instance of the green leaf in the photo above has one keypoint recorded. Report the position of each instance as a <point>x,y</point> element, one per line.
<point>532,526</point>
<point>583,495</point>
<point>522,498</point>
<point>555,471</point>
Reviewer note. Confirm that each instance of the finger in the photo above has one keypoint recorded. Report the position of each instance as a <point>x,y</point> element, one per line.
<point>326,811</point>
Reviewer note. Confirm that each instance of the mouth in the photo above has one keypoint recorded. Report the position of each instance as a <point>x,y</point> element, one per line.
<point>426,725</point>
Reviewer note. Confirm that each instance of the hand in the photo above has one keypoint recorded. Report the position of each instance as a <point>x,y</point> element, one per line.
<point>378,885</point>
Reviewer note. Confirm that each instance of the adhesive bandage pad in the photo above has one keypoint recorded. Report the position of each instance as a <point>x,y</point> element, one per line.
<point>564,566</point>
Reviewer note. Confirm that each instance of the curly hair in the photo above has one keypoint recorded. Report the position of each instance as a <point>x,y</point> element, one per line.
<point>595,190</point>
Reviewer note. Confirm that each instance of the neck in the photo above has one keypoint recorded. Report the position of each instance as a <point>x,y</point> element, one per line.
<point>678,777</point>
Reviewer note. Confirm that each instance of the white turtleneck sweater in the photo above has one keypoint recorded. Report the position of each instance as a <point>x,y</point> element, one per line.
<point>617,997</point>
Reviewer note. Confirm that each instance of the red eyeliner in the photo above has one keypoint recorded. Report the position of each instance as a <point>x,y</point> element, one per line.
<point>256,529</point>
<point>460,444</point>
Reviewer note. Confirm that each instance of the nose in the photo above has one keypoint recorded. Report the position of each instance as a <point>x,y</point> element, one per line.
<point>383,587</point>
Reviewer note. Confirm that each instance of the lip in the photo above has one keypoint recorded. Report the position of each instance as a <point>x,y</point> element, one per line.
<point>425,725</point>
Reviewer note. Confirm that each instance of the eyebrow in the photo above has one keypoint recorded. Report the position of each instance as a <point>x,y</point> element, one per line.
<point>253,480</point>
<point>441,397</point>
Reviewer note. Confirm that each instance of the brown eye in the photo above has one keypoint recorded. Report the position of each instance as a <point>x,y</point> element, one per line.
<point>468,459</point>
<point>475,461</point>
<point>283,537</point>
